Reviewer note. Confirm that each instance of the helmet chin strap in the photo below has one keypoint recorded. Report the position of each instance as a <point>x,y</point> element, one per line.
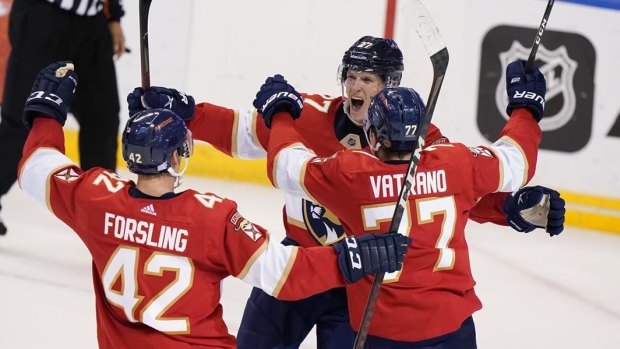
<point>375,148</point>
<point>178,176</point>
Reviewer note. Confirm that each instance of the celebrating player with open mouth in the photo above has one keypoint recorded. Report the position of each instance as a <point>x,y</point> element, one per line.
<point>327,125</point>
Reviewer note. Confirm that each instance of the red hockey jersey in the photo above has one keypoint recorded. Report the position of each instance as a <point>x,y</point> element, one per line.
<point>434,292</point>
<point>242,134</point>
<point>158,263</point>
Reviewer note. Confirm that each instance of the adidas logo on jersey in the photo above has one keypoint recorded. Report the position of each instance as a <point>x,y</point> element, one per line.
<point>149,209</point>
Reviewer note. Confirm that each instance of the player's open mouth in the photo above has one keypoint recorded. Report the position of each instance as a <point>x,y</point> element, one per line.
<point>356,103</point>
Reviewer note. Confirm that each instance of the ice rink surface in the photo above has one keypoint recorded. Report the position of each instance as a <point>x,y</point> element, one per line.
<point>538,292</point>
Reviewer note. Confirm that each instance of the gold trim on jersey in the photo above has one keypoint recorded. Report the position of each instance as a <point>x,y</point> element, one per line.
<point>302,180</point>
<point>235,132</point>
<point>527,165</point>
<point>500,183</point>
<point>295,222</point>
<point>254,132</point>
<point>254,257</point>
<point>286,272</point>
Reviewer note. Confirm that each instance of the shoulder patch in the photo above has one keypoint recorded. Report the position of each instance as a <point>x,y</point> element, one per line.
<point>242,224</point>
<point>323,159</point>
<point>480,151</point>
<point>68,175</point>
<point>440,140</point>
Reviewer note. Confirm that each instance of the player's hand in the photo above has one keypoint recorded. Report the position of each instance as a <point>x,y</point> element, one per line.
<point>52,93</point>
<point>277,95</point>
<point>160,97</point>
<point>525,90</point>
<point>535,207</point>
<point>371,254</point>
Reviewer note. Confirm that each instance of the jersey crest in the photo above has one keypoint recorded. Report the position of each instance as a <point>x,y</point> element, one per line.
<point>323,225</point>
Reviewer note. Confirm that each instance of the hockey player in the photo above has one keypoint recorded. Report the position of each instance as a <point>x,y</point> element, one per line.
<point>328,124</point>
<point>430,302</point>
<point>159,257</point>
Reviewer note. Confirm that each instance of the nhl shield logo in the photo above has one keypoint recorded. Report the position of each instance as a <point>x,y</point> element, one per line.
<point>568,62</point>
<point>559,70</point>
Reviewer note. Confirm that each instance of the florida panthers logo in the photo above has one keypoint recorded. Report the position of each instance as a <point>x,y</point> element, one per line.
<point>559,70</point>
<point>322,224</point>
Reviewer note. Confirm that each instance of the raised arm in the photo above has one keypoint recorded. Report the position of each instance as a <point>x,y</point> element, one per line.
<point>233,132</point>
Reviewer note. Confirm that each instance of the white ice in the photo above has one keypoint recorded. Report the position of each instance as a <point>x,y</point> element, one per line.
<point>538,292</point>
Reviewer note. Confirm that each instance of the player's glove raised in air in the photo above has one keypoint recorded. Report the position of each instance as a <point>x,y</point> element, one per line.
<point>275,96</point>
<point>535,207</point>
<point>371,254</point>
<point>52,93</point>
<point>160,97</point>
<point>525,90</point>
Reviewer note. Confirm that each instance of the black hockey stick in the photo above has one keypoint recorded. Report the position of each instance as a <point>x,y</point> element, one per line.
<point>145,69</point>
<point>438,53</point>
<point>541,30</point>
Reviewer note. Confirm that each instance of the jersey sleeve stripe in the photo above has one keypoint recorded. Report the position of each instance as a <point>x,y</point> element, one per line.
<point>270,266</point>
<point>295,222</point>
<point>235,131</point>
<point>526,164</point>
<point>36,171</point>
<point>245,144</point>
<point>290,168</point>
<point>259,252</point>
<point>286,272</point>
<point>513,164</point>
<point>254,131</point>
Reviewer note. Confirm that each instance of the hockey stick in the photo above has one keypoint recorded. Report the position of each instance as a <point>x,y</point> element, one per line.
<point>438,53</point>
<point>145,69</point>
<point>541,30</point>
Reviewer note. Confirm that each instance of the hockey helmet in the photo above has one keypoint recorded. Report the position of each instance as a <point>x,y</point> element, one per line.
<point>151,137</point>
<point>395,114</point>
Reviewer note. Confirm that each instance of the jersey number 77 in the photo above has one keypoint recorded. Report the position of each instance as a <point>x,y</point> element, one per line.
<point>427,208</point>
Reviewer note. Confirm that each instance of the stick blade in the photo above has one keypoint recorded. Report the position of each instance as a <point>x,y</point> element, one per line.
<point>425,26</point>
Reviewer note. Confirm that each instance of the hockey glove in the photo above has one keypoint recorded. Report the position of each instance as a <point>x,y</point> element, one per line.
<point>535,207</point>
<point>525,90</point>
<point>52,93</point>
<point>160,97</point>
<point>275,96</point>
<point>371,254</point>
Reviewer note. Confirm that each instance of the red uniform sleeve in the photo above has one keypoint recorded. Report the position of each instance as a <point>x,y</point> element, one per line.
<point>237,133</point>
<point>285,272</point>
<point>489,209</point>
<point>511,160</point>
<point>53,180</point>
<point>243,134</point>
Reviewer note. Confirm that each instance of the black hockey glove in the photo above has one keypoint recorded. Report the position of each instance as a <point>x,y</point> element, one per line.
<point>277,95</point>
<point>371,254</point>
<point>525,90</point>
<point>52,93</point>
<point>535,207</point>
<point>161,97</point>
